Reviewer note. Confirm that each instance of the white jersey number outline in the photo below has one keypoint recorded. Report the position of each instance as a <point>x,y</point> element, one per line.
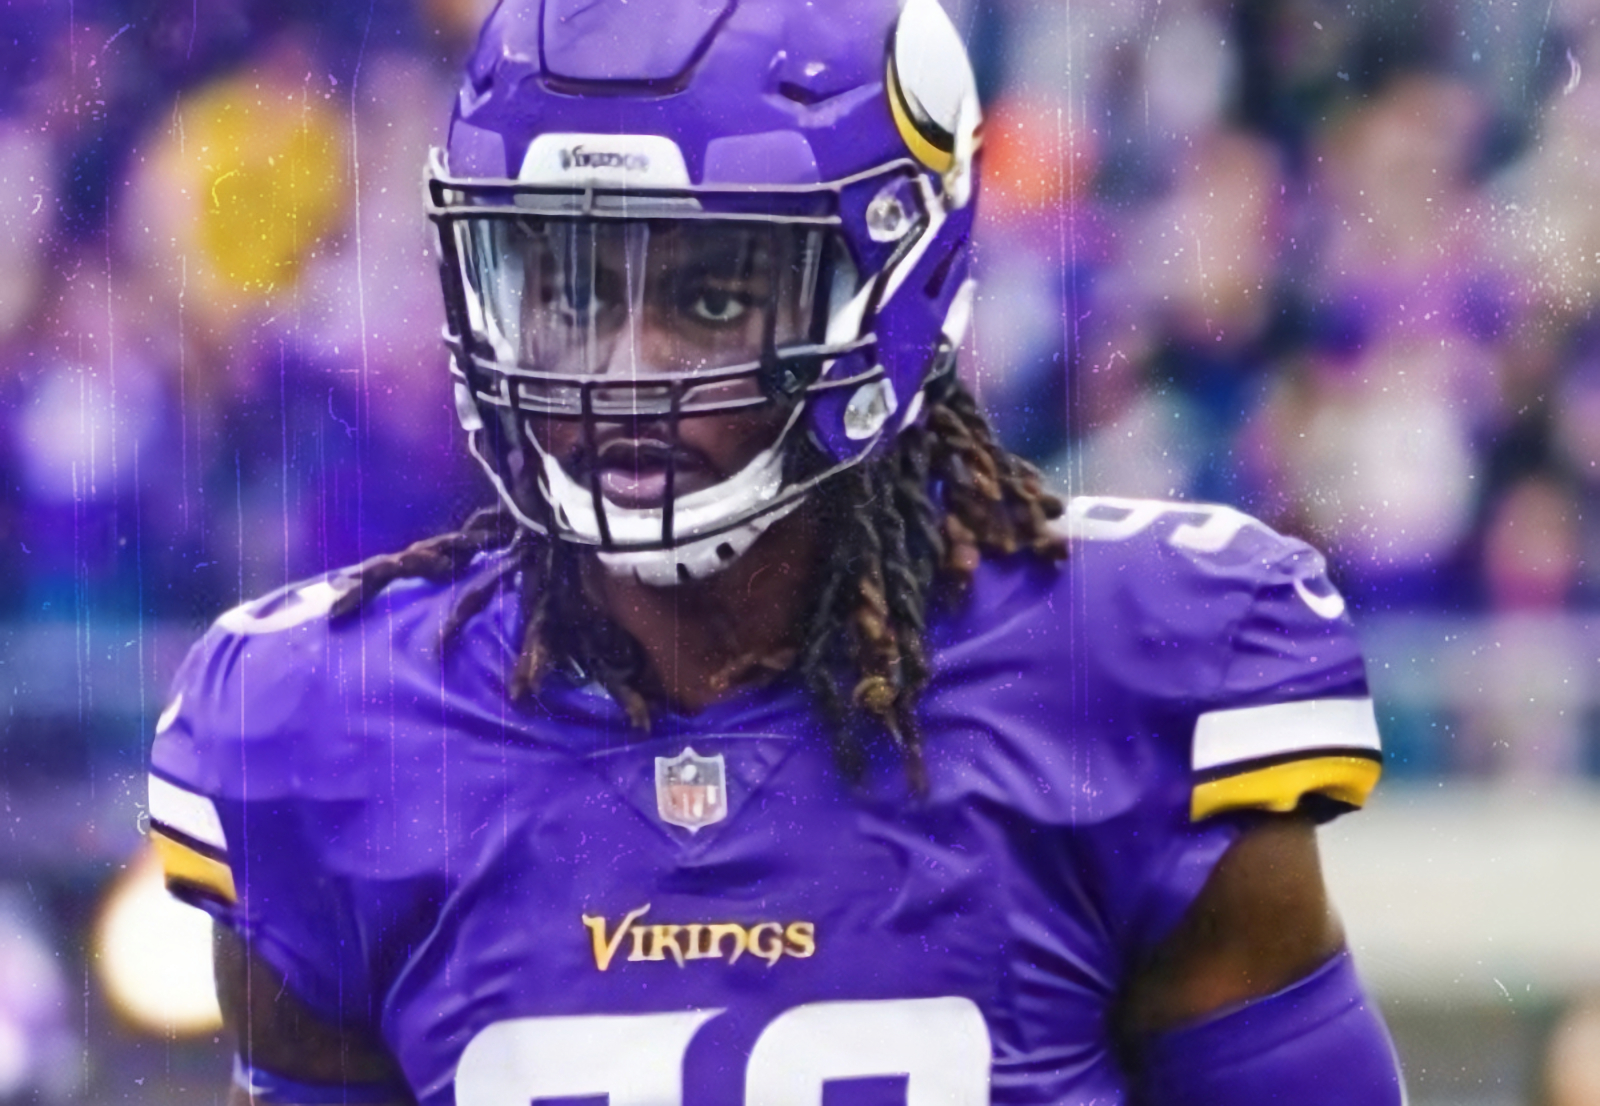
<point>941,1046</point>
<point>288,610</point>
<point>1213,531</point>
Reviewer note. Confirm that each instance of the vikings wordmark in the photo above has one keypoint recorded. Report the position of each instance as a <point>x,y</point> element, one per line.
<point>770,941</point>
<point>580,158</point>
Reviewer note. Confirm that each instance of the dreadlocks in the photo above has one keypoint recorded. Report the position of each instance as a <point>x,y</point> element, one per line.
<point>920,517</point>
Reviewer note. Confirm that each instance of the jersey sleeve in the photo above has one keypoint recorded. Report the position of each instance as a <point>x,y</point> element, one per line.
<point>1221,681</point>
<point>232,780</point>
<point>1235,638</point>
<point>1291,722</point>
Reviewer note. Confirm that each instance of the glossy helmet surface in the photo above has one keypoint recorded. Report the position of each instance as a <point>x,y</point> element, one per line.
<point>842,130</point>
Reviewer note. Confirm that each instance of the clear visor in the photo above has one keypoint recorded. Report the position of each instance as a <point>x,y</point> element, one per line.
<point>638,309</point>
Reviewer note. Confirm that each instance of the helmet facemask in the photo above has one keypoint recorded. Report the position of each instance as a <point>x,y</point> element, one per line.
<point>598,335</point>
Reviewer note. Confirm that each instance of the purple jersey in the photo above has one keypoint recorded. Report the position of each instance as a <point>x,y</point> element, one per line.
<point>531,901</point>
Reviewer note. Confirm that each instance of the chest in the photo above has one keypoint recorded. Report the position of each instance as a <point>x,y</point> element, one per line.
<point>714,916</point>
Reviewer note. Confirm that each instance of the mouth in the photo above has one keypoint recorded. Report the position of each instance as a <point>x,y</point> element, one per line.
<point>633,472</point>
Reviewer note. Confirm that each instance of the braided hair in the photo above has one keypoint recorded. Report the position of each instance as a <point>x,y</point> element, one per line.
<point>919,518</point>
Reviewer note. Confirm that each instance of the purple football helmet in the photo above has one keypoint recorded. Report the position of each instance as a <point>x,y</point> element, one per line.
<point>652,211</point>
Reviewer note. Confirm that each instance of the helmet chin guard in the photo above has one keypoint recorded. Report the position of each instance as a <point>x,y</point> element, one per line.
<point>623,255</point>
<point>697,558</point>
<point>754,498</point>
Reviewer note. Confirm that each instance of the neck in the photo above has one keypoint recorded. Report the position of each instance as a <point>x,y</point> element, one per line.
<point>705,637</point>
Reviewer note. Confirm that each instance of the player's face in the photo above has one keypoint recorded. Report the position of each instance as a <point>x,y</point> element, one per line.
<point>655,306</point>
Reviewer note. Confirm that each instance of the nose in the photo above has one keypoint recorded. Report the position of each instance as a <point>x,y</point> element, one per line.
<point>619,352</point>
<point>636,356</point>
<point>639,348</point>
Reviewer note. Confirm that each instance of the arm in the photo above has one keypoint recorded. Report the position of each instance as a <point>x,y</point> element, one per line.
<point>1252,998</point>
<point>1262,922</point>
<point>239,837</point>
<point>299,1058</point>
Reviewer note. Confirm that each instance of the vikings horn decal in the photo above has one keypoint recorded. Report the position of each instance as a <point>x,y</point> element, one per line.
<point>931,89</point>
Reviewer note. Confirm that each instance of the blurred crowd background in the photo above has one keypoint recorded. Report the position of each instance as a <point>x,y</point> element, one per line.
<point>1333,261</point>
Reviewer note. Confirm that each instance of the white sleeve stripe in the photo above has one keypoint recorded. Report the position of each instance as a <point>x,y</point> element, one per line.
<point>1249,733</point>
<point>186,812</point>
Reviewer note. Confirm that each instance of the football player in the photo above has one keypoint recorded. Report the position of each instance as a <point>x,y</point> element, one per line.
<point>776,738</point>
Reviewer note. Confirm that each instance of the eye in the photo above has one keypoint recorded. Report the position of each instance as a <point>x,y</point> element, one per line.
<point>719,306</point>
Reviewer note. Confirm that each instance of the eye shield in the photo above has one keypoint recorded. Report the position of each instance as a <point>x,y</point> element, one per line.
<point>662,301</point>
<point>648,316</point>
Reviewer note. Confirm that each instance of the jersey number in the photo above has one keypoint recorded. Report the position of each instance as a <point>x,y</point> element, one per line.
<point>285,610</point>
<point>941,1046</point>
<point>1210,528</point>
<point>1207,528</point>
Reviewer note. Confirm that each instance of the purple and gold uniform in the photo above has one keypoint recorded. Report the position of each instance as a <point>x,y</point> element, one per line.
<point>532,901</point>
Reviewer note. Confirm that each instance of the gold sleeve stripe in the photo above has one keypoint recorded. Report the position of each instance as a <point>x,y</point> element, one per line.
<point>1280,787</point>
<point>183,864</point>
<point>925,151</point>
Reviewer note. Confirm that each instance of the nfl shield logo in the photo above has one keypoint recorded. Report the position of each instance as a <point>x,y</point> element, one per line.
<point>690,790</point>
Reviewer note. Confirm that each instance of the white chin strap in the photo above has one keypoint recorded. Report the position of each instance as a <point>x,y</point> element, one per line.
<point>745,494</point>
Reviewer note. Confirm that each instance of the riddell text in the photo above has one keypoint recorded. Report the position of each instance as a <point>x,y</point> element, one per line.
<point>769,941</point>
